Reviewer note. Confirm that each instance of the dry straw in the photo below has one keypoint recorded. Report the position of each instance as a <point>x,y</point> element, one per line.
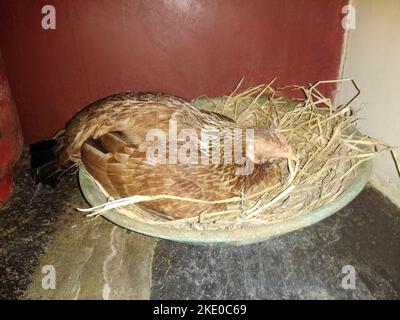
<point>329,151</point>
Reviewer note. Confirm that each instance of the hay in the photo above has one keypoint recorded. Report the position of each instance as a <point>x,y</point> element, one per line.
<point>329,151</point>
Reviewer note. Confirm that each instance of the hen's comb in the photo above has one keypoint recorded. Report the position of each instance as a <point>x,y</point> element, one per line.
<point>281,138</point>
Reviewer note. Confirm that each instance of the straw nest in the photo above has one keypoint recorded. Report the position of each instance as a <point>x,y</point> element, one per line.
<point>329,150</point>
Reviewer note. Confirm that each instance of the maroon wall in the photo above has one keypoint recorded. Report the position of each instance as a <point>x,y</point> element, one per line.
<point>183,47</point>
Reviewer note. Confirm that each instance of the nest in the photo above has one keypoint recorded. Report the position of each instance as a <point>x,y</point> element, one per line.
<point>329,149</point>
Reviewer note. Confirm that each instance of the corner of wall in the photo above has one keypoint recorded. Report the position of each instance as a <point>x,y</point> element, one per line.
<point>354,45</point>
<point>387,187</point>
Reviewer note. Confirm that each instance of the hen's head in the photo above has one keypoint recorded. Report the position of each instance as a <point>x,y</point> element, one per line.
<point>271,145</point>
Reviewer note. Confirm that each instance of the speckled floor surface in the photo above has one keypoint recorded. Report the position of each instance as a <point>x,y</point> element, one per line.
<point>94,259</point>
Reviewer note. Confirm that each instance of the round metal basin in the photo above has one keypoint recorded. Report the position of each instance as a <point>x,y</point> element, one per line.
<point>239,236</point>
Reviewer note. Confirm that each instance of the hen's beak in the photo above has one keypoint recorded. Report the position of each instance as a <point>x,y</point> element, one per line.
<point>291,156</point>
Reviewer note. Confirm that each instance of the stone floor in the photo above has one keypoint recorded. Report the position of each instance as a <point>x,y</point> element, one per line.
<point>94,259</point>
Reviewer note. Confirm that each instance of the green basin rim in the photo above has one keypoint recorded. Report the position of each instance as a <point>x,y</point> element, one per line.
<point>236,236</point>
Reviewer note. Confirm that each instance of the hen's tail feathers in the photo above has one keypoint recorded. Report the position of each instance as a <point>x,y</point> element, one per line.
<point>44,168</point>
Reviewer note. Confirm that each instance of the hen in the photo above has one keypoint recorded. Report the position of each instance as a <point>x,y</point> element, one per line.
<point>113,138</point>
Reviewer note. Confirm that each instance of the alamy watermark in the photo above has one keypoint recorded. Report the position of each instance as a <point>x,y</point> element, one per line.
<point>349,20</point>
<point>349,278</point>
<point>49,280</point>
<point>49,20</point>
<point>211,146</point>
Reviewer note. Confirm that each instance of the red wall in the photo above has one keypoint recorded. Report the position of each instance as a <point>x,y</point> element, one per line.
<point>183,47</point>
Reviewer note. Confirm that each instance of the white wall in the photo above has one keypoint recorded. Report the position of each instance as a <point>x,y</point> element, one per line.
<point>372,59</point>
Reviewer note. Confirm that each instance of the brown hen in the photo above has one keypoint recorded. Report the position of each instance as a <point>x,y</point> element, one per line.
<point>113,136</point>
